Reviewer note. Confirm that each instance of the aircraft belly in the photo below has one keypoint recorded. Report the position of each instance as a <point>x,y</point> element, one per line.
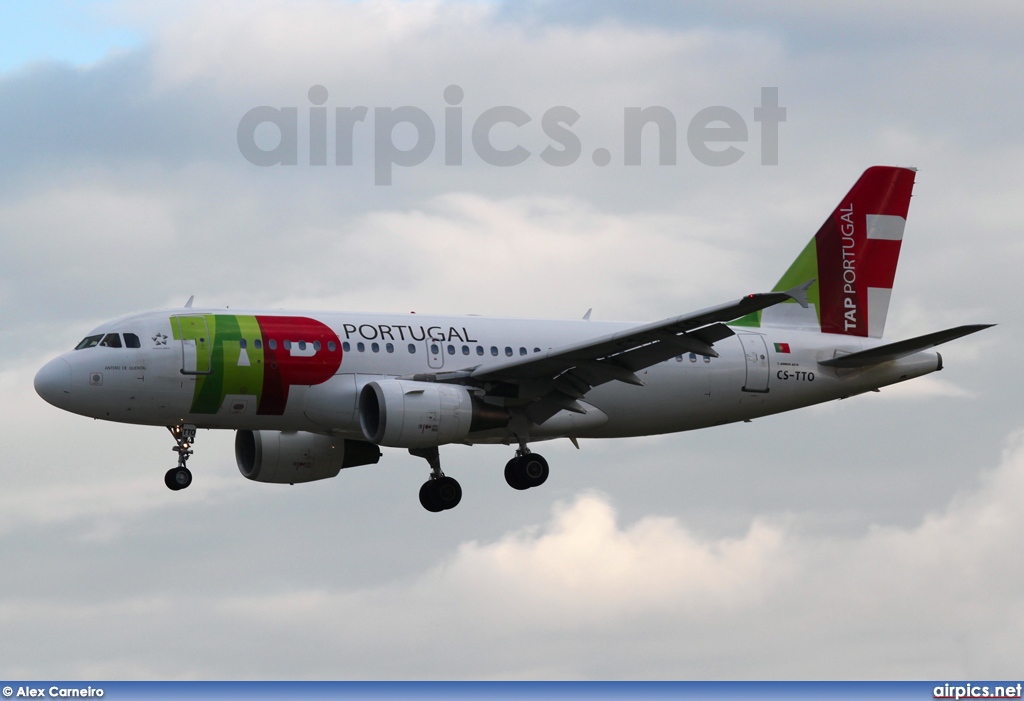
<point>568,423</point>
<point>676,396</point>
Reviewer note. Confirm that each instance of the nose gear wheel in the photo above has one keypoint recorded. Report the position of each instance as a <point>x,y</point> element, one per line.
<point>184,437</point>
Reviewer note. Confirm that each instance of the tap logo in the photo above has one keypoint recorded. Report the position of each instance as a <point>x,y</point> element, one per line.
<point>262,356</point>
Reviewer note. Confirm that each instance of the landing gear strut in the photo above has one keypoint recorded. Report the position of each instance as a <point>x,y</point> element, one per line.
<point>526,470</point>
<point>180,477</point>
<point>439,493</point>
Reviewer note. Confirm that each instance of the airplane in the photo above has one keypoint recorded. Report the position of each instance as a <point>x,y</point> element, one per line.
<point>309,394</point>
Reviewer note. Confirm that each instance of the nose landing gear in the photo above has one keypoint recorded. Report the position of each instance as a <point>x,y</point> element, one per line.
<point>180,477</point>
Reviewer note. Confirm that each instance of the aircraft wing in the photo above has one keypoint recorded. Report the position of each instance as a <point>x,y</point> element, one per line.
<point>553,380</point>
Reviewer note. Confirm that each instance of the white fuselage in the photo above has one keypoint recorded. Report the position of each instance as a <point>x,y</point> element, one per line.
<point>758,372</point>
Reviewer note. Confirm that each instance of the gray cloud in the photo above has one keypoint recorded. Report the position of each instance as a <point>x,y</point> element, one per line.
<point>108,115</point>
<point>597,597</point>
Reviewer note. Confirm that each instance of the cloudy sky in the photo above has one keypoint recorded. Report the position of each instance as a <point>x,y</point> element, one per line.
<point>878,537</point>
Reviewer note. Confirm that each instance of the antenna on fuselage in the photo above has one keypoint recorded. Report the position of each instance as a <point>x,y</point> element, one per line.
<point>188,304</point>
<point>586,317</point>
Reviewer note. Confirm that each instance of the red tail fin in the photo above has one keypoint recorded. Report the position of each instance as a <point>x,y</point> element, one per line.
<point>858,248</point>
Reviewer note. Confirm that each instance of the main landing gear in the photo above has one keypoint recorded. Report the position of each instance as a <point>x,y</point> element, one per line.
<point>439,493</point>
<point>526,470</point>
<point>180,477</point>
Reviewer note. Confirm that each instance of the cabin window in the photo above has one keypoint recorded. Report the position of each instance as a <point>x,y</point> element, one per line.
<point>375,347</point>
<point>693,357</point>
<point>412,349</point>
<point>522,351</point>
<point>89,342</point>
<point>435,349</point>
<point>465,350</point>
<point>346,346</point>
<point>360,346</point>
<point>390,347</point>
<point>257,344</point>
<point>131,341</point>
<point>707,358</point>
<point>287,345</point>
<point>451,349</point>
<point>302,345</point>
<point>494,350</point>
<point>508,351</point>
<point>241,342</point>
<point>536,350</point>
<point>316,345</point>
<point>332,346</point>
<point>479,350</point>
<point>679,358</point>
<point>272,344</point>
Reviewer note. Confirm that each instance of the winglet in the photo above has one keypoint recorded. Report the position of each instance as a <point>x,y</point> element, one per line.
<point>799,293</point>
<point>188,304</point>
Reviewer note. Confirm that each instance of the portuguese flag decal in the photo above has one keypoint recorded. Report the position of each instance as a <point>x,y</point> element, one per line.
<point>781,347</point>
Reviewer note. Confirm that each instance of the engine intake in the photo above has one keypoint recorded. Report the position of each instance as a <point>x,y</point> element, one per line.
<point>290,457</point>
<point>410,414</point>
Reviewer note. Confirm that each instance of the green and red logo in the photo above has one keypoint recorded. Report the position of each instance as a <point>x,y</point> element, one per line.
<point>853,257</point>
<point>253,356</point>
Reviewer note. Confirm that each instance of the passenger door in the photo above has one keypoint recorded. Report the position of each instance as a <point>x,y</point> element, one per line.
<point>755,353</point>
<point>196,344</point>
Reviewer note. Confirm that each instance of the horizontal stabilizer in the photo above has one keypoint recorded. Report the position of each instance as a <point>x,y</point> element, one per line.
<point>892,351</point>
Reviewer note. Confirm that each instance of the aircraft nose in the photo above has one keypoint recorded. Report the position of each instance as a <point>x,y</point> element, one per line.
<point>53,382</point>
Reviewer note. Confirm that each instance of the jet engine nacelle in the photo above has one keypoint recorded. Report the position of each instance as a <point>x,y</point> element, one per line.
<point>289,457</point>
<point>410,414</point>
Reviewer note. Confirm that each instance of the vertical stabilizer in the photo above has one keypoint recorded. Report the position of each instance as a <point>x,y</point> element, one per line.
<point>853,257</point>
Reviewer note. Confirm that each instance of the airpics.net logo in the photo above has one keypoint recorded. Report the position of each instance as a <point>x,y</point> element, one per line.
<point>715,136</point>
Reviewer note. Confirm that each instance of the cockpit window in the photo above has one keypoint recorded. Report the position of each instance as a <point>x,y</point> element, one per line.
<point>111,340</point>
<point>89,342</point>
<point>131,341</point>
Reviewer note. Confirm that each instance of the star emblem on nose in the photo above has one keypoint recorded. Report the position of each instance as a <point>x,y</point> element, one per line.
<point>160,339</point>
